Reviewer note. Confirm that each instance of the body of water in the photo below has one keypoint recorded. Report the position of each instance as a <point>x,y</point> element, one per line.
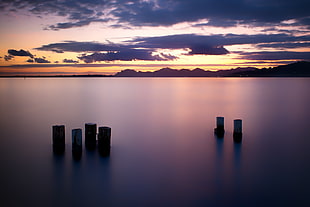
<point>164,152</point>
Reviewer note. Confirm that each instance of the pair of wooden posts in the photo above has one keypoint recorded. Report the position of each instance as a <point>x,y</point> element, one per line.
<point>104,139</point>
<point>219,130</point>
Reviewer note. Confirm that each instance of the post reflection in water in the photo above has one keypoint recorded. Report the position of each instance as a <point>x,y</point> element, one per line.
<point>228,170</point>
<point>81,182</point>
<point>220,168</point>
<point>237,169</point>
<point>60,181</point>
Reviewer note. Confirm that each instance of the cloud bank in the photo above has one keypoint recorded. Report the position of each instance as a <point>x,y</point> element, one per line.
<point>125,55</point>
<point>23,53</point>
<point>106,52</point>
<point>220,13</point>
<point>146,48</point>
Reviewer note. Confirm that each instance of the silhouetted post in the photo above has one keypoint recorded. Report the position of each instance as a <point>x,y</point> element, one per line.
<point>77,143</point>
<point>59,139</point>
<point>104,140</point>
<point>237,130</point>
<point>90,136</point>
<point>219,130</point>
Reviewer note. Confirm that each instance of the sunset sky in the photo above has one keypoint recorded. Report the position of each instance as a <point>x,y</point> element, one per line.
<point>49,37</point>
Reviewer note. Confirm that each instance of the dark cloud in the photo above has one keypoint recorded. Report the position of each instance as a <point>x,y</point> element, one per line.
<point>211,44</point>
<point>125,55</point>
<point>78,13</point>
<point>194,44</point>
<point>277,55</point>
<point>57,51</point>
<point>8,57</point>
<point>205,50</point>
<point>305,21</point>
<point>20,53</point>
<point>285,45</point>
<point>41,60</point>
<point>69,61</point>
<point>218,12</point>
<point>198,45</point>
<point>72,46</point>
<point>285,31</point>
<point>269,62</point>
<point>67,25</point>
<point>167,56</point>
<point>222,13</point>
<point>30,61</point>
<point>218,23</point>
<point>106,52</point>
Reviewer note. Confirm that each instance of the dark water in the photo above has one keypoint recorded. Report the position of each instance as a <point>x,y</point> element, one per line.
<point>164,152</point>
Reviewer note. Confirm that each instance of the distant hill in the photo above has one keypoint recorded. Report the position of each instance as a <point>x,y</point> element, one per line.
<point>298,69</point>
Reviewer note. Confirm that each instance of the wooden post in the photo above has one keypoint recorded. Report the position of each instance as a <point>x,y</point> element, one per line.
<point>237,130</point>
<point>77,143</point>
<point>59,139</point>
<point>104,140</point>
<point>219,130</point>
<point>90,136</point>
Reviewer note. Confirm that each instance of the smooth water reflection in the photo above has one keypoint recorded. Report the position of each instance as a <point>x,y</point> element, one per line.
<point>164,152</point>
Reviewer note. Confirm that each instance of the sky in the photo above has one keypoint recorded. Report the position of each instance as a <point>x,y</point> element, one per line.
<point>60,37</point>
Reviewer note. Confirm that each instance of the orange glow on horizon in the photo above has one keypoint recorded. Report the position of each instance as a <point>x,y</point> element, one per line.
<point>18,34</point>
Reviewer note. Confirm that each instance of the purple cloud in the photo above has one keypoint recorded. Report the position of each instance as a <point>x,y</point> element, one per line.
<point>276,55</point>
<point>73,46</point>
<point>221,13</point>
<point>196,44</point>
<point>20,53</point>
<point>8,57</point>
<point>69,61</point>
<point>41,60</point>
<point>124,55</point>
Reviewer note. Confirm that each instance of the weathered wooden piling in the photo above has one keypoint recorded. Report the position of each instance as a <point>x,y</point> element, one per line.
<point>77,143</point>
<point>219,130</point>
<point>104,140</point>
<point>59,139</point>
<point>90,136</point>
<point>237,130</point>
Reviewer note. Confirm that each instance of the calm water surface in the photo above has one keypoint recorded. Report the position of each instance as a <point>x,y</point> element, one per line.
<point>164,152</point>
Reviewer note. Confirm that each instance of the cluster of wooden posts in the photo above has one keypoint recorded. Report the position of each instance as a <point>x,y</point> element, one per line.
<point>104,139</point>
<point>219,130</point>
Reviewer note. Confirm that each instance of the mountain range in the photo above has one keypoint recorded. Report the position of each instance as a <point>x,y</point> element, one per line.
<point>297,69</point>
